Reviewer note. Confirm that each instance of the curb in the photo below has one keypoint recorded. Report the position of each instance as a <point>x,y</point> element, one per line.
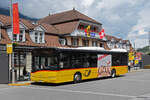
<point>136,71</point>
<point>19,84</point>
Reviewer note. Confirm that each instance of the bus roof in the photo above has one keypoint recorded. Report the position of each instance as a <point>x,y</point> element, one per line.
<point>97,49</point>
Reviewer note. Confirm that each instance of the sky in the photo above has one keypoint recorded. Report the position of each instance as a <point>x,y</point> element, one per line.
<point>126,19</point>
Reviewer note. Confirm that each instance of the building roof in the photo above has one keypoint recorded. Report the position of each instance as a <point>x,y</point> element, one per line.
<point>50,40</point>
<point>65,28</point>
<point>6,20</point>
<point>66,16</point>
<point>49,28</point>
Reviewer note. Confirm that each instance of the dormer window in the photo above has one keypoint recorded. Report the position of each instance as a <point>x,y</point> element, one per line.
<point>62,41</point>
<point>15,37</point>
<point>19,37</point>
<point>41,37</point>
<point>38,37</point>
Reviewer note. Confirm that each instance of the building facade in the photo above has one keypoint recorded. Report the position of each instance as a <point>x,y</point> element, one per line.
<point>61,30</point>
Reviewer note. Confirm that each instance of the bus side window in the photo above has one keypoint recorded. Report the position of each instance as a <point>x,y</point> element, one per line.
<point>116,59</point>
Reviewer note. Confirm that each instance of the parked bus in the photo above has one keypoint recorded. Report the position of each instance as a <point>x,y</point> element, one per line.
<point>76,64</point>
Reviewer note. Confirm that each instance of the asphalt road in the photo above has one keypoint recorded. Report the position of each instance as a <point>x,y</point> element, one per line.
<point>132,86</point>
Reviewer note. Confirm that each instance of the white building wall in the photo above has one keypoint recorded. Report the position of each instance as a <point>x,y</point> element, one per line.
<point>9,31</point>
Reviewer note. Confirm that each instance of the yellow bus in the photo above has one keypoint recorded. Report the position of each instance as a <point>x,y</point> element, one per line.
<point>59,65</point>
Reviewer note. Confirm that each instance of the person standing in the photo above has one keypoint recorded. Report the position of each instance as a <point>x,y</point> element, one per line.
<point>129,66</point>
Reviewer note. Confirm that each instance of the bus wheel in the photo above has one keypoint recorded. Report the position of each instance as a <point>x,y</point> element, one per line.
<point>113,73</point>
<point>77,78</point>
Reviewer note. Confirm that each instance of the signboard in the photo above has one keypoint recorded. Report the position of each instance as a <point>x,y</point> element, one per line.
<point>138,56</point>
<point>131,56</point>
<point>92,34</point>
<point>136,61</point>
<point>9,48</point>
<point>104,65</point>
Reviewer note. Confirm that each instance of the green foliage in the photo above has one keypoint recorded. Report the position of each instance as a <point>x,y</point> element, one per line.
<point>148,53</point>
<point>144,50</point>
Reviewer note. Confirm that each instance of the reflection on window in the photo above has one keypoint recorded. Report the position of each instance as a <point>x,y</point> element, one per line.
<point>45,63</point>
<point>79,60</point>
<point>19,59</point>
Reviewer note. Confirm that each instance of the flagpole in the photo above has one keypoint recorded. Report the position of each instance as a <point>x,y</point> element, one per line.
<point>12,55</point>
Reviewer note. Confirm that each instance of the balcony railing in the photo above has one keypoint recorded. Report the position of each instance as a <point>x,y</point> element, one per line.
<point>83,34</point>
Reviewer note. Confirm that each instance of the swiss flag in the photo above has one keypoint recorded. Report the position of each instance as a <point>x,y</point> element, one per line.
<point>102,34</point>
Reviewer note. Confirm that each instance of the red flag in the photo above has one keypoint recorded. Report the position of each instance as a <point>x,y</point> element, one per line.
<point>16,29</point>
<point>102,34</point>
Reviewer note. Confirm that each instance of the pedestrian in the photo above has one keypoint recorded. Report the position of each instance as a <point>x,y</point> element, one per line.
<point>129,66</point>
<point>24,72</point>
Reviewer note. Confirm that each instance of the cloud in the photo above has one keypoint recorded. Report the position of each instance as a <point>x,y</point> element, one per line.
<point>87,3</point>
<point>139,32</point>
<point>122,18</point>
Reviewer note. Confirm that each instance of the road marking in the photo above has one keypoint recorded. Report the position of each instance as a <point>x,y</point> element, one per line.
<point>84,92</point>
<point>135,80</point>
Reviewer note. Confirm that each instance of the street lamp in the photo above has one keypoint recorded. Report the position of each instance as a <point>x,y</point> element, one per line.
<point>12,55</point>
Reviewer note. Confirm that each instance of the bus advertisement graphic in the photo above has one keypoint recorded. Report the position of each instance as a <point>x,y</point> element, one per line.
<point>104,65</point>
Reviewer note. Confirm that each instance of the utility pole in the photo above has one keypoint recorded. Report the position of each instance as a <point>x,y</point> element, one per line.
<point>12,55</point>
<point>149,41</point>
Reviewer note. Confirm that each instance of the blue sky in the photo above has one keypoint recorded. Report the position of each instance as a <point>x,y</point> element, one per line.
<point>127,19</point>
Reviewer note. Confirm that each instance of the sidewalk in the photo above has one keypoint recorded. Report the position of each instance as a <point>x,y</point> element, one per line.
<point>20,83</point>
<point>137,69</point>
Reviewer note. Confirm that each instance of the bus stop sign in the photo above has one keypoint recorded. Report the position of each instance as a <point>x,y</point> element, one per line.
<point>9,48</point>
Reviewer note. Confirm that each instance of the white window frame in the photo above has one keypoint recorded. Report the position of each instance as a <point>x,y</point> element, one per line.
<point>38,36</point>
<point>62,41</point>
<point>18,36</point>
<point>128,47</point>
<point>75,42</point>
<point>109,44</point>
<point>94,43</point>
